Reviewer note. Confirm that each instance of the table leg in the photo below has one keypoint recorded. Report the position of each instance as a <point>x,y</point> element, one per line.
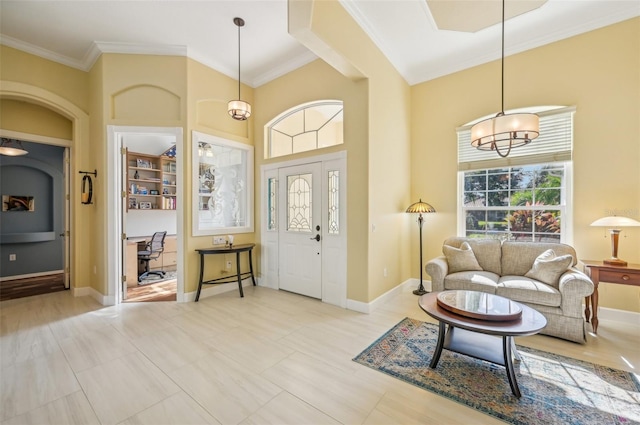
<point>436,355</point>
<point>587,310</point>
<point>201,276</point>
<point>239,274</point>
<point>594,306</point>
<point>507,344</point>
<point>251,269</point>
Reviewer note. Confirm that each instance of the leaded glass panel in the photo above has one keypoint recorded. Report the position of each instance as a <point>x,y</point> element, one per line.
<point>299,214</point>
<point>334,202</point>
<point>272,201</point>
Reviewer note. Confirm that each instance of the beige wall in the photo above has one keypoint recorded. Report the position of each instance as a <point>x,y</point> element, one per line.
<point>599,73</point>
<point>208,92</point>
<point>330,32</point>
<point>43,98</point>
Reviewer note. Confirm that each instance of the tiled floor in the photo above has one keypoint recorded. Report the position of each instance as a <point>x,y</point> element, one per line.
<point>269,358</point>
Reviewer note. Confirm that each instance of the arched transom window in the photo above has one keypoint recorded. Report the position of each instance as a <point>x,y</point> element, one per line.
<point>306,127</point>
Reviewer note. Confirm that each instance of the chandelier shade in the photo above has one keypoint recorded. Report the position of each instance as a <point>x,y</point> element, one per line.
<point>12,147</point>
<point>505,131</point>
<point>239,109</point>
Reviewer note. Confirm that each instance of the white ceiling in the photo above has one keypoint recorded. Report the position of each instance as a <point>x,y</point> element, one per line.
<point>76,32</point>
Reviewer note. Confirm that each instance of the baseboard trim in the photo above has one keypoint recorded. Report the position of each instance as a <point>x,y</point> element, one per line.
<point>407,285</point>
<point>615,315</point>
<point>29,275</point>
<point>87,291</point>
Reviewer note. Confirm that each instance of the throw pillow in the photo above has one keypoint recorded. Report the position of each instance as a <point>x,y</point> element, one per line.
<point>462,259</point>
<point>548,267</point>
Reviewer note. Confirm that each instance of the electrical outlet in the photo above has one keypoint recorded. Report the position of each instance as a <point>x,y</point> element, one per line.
<point>219,240</point>
<point>228,264</point>
<point>385,272</point>
<point>12,257</point>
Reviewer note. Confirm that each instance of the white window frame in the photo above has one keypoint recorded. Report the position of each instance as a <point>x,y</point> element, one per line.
<point>565,207</point>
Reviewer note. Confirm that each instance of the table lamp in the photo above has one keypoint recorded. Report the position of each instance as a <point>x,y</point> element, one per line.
<point>420,207</point>
<point>614,223</point>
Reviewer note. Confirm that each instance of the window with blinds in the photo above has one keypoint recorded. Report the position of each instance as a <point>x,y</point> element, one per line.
<point>524,196</point>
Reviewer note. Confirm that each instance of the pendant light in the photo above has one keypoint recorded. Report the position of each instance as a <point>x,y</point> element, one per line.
<point>12,147</point>
<point>239,109</point>
<point>505,131</point>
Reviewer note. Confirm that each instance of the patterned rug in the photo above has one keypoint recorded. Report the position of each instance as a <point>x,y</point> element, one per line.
<point>555,389</point>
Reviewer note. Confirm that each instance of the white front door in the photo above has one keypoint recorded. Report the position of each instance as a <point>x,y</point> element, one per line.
<point>300,235</point>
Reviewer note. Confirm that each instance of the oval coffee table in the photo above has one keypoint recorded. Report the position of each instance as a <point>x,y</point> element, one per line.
<point>482,326</point>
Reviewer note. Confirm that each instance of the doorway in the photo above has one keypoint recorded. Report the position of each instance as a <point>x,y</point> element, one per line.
<point>35,218</point>
<point>145,158</point>
<point>304,207</point>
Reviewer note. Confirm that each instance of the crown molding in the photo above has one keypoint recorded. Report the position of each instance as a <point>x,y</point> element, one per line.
<point>39,51</point>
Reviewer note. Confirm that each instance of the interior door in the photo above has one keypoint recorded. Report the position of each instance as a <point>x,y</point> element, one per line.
<point>300,235</point>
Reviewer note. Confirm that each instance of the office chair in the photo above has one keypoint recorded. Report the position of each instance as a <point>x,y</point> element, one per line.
<point>152,251</point>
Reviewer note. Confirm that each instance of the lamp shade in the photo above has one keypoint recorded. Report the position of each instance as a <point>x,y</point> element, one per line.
<point>420,207</point>
<point>505,130</point>
<point>615,222</point>
<point>12,147</point>
<point>239,110</point>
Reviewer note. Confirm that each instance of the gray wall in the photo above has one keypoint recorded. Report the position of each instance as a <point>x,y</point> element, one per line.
<point>34,237</point>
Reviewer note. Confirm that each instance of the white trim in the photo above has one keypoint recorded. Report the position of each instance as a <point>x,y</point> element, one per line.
<point>406,286</point>
<point>249,227</point>
<point>615,315</point>
<point>114,205</point>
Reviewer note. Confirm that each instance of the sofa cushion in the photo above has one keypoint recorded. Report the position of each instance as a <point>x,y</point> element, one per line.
<point>488,252</point>
<point>472,281</point>
<point>460,259</point>
<point>518,257</point>
<point>523,289</point>
<point>548,267</point>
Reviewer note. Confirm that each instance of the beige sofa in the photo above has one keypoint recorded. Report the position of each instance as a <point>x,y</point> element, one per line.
<point>505,269</point>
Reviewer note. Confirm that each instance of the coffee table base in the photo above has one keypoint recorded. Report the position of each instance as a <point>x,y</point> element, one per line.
<point>494,349</point>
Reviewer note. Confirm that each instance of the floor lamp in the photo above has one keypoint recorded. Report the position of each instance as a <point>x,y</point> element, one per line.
<point>420,207</point>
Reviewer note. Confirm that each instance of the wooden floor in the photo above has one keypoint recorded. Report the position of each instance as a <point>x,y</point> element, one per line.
<point>271,357</point>
<point>161,291</point>
<point>19,288</point>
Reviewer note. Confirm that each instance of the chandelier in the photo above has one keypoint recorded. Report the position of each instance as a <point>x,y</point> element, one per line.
<point>505,131</point>
<point>239,109</point>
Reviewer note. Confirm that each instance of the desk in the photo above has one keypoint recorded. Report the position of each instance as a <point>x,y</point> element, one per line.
<point>598,271</point>
<point>234,249</point>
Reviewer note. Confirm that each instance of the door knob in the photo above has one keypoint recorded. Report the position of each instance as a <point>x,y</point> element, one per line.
<point>317,238</point>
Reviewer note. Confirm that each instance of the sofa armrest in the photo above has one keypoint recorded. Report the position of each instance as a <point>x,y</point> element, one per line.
<point>574,286</point>
<point>437,268</point>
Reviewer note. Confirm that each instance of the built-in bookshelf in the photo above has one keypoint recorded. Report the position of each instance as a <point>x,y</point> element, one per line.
<point>151,182</point>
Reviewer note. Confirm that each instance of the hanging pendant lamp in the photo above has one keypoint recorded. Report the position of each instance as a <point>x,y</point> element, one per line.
<point>239,109</point>
<point>12,147</point>
<point>505,131</point>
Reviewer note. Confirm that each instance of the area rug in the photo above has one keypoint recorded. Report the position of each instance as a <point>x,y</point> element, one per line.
<point>555,389</point>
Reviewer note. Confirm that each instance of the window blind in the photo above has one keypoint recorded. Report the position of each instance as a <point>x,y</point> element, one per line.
<point>555,143</point>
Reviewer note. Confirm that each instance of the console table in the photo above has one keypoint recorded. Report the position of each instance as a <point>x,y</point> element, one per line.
<point>598,271</point>
<point>234,249</point>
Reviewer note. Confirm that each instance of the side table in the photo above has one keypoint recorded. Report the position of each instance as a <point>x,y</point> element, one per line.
<point>234,249</point>
<point>598,271</point>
